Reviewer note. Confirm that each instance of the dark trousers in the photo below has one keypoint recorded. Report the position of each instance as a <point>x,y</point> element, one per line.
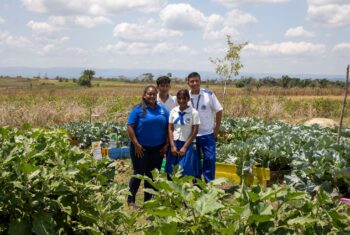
<point>152,159</point>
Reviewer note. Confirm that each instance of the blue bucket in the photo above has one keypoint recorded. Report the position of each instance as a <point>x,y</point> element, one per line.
<point>116,153</point>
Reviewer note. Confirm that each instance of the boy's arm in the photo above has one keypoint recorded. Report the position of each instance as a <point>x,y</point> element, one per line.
<point>218,118</point>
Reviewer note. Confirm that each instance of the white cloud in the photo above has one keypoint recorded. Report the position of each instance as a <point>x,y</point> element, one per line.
<point>43,40</point>
<point>11,41</point>
<point>77,51</point>
<point>234,3</point>
<point>221,33</point>
<point>35,5</point>
<point>183,17</point>
<point>218,27</point>
<point>144,48</point>
<point>325,2</point>
<point>49,49</point>
<point>342,49</point>
<point>286,48</point>
<point>91,7</point>
<point>89,22</point>
<point>58,21</point>
<point>329,12</point>
<point>41,27</point>
<point>2,20</point>
<point>146,32</point>
<point>236,17</point>
<point>298,32</point>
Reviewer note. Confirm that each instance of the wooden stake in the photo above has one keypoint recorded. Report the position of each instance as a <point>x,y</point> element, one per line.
<point>90,115</point>
<point>344,104</point>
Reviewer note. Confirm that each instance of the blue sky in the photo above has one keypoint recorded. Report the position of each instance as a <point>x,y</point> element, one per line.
<point>285,36</point>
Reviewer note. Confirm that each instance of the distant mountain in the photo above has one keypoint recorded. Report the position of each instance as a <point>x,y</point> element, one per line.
<point>75,72</point>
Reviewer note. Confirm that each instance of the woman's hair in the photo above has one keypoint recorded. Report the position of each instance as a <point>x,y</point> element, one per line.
<point>183,92</point>
<point>143,102</point>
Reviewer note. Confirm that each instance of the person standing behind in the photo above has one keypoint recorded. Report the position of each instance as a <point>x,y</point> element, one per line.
<point>210,113</point>
<point>148,130</point>
<point>163,96</point>
<point>183,129</point>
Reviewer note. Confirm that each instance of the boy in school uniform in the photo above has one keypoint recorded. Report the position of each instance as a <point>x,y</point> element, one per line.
<point>210,115</point>
<point>163,96</point>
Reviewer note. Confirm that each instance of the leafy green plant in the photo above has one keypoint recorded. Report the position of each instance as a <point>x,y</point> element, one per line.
<point>86,132</point>
<point>181,207</point>
<point>51,188</point>
<point>311,153</point>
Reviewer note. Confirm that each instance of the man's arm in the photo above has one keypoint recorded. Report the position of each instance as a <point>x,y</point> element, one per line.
<point>218,118</point>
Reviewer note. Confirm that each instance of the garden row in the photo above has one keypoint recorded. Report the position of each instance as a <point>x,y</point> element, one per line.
<point>309,157</point>
<point>306,157</point>
<point>53,188</point>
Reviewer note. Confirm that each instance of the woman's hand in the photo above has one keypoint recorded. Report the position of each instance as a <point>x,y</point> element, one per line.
<point>139,150</point>
<point>164,149</point>
<point>182,151</point>
<point>174,151</point>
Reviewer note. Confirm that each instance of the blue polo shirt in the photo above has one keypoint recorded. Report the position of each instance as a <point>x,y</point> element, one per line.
<point>151,128</point>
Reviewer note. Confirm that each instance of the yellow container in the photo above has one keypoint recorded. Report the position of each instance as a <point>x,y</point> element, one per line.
<point>267,174</point>
<point>254,170</point>
<point>104,152</point>
<point>248,179</point>
<point>225,167</point>
<point>228,171</point>
<point>262,182</point>
<point>229,176</point>
<point>260,172</point>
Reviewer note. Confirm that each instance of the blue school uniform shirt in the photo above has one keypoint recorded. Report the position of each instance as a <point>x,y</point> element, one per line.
<point>151,128</point>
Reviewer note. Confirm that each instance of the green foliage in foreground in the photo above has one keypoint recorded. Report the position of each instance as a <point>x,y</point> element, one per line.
<point>179,207</point>
<point>48,187</point>
<point>310,153</point>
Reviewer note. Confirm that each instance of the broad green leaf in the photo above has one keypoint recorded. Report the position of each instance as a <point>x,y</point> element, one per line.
<point>43,224</point>
<point>20,227</point>
<point>260,218</point>
<point>208,203</point>
<point>303,221</point>
<point>162,211</point>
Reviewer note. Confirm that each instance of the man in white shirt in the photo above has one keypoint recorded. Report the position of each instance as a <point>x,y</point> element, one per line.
<point>163,96</point>
<point>210,113</point>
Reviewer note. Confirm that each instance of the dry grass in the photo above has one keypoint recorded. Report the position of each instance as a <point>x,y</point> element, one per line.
<point>60,102</point>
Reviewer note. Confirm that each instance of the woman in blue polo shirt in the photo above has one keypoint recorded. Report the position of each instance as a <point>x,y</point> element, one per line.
<point>147,128</point>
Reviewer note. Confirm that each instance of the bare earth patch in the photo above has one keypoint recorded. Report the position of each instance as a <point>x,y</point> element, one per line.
<point>323,122</point>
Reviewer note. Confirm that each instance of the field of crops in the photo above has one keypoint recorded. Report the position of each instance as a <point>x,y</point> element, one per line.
<point>53,187</point>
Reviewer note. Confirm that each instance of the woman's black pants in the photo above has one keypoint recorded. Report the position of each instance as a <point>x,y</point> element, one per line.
<point>152,159</point>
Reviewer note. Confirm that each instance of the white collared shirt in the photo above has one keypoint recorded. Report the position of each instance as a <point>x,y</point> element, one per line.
<point>207,107</point>
<point>170,103</point>
<point>183,131</point>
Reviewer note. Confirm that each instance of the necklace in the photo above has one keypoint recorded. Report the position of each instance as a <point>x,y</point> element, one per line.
<point>199,97</point>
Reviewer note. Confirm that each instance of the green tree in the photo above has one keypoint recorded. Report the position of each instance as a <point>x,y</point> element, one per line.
<point>86,77</point>
<point>230,64</point>
<point>147,77</point>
